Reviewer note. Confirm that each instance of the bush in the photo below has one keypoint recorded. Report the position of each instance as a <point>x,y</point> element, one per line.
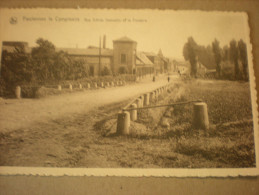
<point>29,91</point>
<point>106,71</point>
<point>123,70</point>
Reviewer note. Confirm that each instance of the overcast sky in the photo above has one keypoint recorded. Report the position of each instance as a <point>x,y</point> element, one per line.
<point>153,30</point>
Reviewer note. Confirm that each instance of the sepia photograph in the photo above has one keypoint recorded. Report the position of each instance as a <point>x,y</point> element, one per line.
<point>127,92</point>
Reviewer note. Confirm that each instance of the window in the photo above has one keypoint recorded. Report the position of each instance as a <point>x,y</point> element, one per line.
<point>123,59</point>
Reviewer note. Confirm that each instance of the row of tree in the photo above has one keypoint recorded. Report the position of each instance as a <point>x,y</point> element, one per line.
<point>213,56</point>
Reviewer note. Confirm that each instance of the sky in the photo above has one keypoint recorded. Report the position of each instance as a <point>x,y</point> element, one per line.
<point>151,29</point>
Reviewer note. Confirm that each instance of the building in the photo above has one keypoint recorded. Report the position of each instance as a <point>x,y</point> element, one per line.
<point>122,59</point>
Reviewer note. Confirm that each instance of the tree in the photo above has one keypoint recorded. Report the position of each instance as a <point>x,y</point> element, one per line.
<point>217,56</point>
<point>190,54</point>
<point>206,56</point>
<point>43,58</point>
<point>225,55</point>
<point>243,57</point>
<point>233,54</point>
<point>106,71</point>
<point>122,70</point>
<point>16,67</point>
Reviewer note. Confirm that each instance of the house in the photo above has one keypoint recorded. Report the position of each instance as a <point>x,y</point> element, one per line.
<point>123,58</point>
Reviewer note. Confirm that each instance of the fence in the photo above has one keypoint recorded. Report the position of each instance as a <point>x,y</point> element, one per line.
<point>130,111</point>
<point>31,90</point>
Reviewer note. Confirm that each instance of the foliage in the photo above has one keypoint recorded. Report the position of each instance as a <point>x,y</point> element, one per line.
<point>206,56</point>
<point>190,54</point>
<point>106,71</point>
<point>217,56</point>
<point>16,69</point>
<point>221,59</point>
<point>233,54</point>
<point>243,57</point>
<point>123,70</point>
<point>43,65</point>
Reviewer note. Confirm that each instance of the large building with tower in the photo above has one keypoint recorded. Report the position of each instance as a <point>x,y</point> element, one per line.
<point>124,58</point>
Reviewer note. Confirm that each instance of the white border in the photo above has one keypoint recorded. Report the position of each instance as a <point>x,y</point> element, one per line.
<point>161,172</point>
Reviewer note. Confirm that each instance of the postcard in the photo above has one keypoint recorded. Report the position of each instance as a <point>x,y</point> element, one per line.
<point>120,92</point>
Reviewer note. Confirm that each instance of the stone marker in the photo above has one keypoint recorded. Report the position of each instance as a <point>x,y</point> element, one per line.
<point>123,123</point>
<point>146,99</point>
<point>151,96</point>
<point>133,113</point>
<point>112,84</point>
<point>70,87</point>
<point>88,85</point>
<point>80,86</point>
<point>101,84</point>
<point>142,98</point>
<point>200,116</point>
<point>59,87</point>
<point>139,102</point>
<point>18,92</point>
<point>95,85</point>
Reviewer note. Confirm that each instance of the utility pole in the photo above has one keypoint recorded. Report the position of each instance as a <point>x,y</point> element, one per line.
<point>100,53</point>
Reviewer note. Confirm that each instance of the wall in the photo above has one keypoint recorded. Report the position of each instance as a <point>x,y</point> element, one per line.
<point>124,48</point>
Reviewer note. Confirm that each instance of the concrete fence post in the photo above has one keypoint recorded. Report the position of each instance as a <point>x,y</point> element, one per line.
<point>80,86</point>
<point>142,100</point>
<point>88,85</point>
<point>200,116</point>
<point>146,99</point>
<point>107,84</point>
<point>95,85</point>
<point>112,84</point>
<point>70,87</point>
<point>133,113</point>
<point>157,93</point>
<point>101,84</point>
<point>59,87</point>
<point>123,123</point>
<point>18,92</point>
<point>151,96</point>
<point>139,102</point>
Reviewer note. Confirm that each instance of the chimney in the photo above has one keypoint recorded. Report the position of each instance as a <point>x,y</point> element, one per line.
<point>104,41</point>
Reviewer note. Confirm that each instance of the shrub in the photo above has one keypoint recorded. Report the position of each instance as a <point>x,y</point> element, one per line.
<point>29,91</point>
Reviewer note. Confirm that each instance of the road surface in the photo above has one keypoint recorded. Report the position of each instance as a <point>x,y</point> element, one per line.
<point>17,114</point>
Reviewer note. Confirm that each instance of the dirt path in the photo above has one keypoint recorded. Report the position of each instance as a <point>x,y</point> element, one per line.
<point>22,113</point>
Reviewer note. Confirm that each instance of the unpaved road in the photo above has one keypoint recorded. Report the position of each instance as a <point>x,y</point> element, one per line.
<point>15,114</point>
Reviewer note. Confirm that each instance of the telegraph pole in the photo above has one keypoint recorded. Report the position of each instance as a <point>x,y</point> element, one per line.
<point>100,53</point>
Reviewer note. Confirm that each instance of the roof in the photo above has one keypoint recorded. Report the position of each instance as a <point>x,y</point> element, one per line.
<point>124,39</point>
<point>141,57</point>
<point>86,51</point>
<point>150,54</point>
<point>11,49</point>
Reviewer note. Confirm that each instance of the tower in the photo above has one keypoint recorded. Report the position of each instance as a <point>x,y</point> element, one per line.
<point>124,55</point>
